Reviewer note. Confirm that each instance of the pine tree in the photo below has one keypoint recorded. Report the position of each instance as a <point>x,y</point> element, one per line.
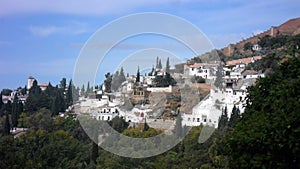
<point>157,60</point>
<point>168,66</point>
<point>137,79</point>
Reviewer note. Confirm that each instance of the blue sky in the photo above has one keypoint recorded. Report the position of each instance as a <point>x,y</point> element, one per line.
<point>43,38</point>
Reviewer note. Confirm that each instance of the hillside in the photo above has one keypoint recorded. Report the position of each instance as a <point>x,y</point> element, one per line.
<point>291,27</point>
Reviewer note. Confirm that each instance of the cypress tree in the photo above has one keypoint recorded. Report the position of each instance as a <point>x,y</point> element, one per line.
<point>6,129</point>
<point>1,103</point>
<point>146,126</point>
<point>159,66</point>
<point>234,117</point>
<point>15,111</point>
<point>178,127</point>
<point>223,122</point>
<point>168,66</point>
<point>137,79</point>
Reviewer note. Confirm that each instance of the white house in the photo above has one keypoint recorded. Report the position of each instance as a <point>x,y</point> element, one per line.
<point>105,113</point>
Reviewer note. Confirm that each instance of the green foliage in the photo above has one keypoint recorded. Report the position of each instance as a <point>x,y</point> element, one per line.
<point>6,92</point>
<point>198,79</point>
<point>17,109</point>
<point>164,81</point>
<point>267,135</point>
<point>40,120</point>
<point>223,121</point>
<point>6,128</point>
<point>107,82</point>
<point>137,78</point>
<point>23,120</point>
<point>234,117</point>
<point>118,79</point>
<point>168,65</point>
<point>248,46</point>
<point>119,124</point>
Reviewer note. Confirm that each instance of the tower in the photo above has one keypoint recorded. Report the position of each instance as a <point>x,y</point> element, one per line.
<point>30,82</point>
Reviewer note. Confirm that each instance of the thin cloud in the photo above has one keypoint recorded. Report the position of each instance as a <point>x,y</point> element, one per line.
<point>5,43</point>
<point>46,30</point>
<point>70,28</point>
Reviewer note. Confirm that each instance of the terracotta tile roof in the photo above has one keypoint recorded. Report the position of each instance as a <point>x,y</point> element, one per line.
<point>243,61</point>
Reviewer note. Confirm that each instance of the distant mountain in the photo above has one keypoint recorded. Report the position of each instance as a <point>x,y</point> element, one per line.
<point>291,27</point>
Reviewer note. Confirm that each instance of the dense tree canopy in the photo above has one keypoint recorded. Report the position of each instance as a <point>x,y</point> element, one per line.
<point>267,136</point>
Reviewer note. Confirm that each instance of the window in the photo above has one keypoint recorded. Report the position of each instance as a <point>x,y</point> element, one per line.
<point>198,119</point>
<point>108,118</point>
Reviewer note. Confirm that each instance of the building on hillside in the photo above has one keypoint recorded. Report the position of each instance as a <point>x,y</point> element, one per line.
<point>105,113</point>
<point>203,70</point>
<point>243,62</point>
<point>139,94</point>
<point>43,86</point>
<point>30,82</point>
<point>252,74</point>
<point>256,47</point>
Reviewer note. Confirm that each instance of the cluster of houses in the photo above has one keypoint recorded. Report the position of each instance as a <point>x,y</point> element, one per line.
<point>206,112</point>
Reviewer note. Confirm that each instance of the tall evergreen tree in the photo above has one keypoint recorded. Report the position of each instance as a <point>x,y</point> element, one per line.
<point>122,75</point>
<point>69,94</point>
<point>168,66</point>
<point>54,107</point>
<point>137,79</point>
<point>178,127</point>
<point>146,126</point>
<point>88,89</point>
<point>1,104</point>
<point>35,89</point>
<point>107,82</point>
<point>223,121</point>
<point>16,111</point>
<point>82,91</point>
<point>115,81</point>
<point>63,83</point>
<point>6,129</point>
<point>234,117</point>
<point>159,66</point>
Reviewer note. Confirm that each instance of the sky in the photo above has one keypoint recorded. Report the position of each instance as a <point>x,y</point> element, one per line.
<point>44,38</point>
